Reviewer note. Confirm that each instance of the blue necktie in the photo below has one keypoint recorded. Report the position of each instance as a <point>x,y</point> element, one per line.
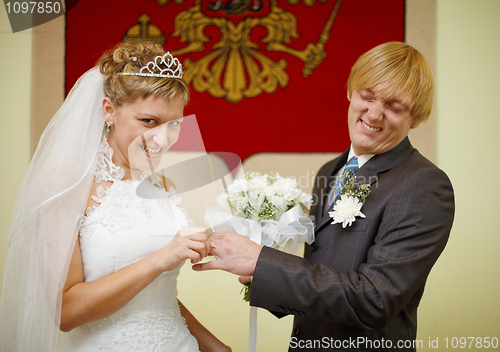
<point>350,168</point>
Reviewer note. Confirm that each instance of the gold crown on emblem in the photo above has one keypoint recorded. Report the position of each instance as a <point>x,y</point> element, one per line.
<point>165,66</point>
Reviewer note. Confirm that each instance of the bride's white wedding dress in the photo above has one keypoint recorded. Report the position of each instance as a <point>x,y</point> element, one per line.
<point>120,231</point>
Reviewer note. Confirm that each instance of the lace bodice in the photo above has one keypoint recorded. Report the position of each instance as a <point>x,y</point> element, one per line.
<point>121,230</point>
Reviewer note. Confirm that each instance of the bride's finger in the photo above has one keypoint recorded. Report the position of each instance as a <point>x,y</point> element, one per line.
<point>194,256</point>
<point>196,236</point>
<point>200,247</point>
<point>200,238</point>
<point>191,230</point>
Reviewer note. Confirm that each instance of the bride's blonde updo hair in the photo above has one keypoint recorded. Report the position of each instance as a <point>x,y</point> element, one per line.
<point>123,89</point>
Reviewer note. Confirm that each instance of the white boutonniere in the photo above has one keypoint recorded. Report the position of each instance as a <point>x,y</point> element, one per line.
<point>349,205</point>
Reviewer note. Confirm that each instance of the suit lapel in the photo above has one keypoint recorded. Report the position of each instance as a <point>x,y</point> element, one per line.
<point>368,173</point>
<point>388,160</point>
<point>329,176</point>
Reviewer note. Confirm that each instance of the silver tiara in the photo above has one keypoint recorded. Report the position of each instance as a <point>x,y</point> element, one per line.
<point>165,66</point>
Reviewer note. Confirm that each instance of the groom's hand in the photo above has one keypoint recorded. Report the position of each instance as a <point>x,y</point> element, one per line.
<point>245,279</point>
<point>233,253</point>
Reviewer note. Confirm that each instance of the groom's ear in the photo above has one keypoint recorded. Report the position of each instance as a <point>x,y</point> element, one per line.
<point>348,97</point>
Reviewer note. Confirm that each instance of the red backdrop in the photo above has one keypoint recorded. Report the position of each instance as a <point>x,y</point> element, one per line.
<point>307,114</point>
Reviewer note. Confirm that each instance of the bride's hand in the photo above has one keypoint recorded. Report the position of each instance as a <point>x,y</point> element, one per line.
<point>189,243</point>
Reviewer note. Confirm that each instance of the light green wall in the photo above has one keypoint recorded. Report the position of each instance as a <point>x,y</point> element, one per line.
<point>461,294</point>
<point>15,78</point>
<point>461,297</point>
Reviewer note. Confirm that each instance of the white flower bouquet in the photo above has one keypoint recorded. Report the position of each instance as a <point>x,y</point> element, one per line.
<point>265,208</point>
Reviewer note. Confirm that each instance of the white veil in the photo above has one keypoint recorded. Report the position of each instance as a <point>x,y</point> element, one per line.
<point>44,226</point>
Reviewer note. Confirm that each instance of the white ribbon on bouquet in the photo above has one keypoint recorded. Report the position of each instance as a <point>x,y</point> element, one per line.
<point>284,234</point>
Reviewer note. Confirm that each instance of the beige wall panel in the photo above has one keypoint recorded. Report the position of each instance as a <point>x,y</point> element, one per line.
<point>47,88</point>
<point>420,32</point>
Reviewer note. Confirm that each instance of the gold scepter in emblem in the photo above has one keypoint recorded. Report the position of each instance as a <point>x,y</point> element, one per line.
<point>315,53</point>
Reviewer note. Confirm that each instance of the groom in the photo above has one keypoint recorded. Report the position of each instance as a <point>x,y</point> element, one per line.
<point>358,288</point>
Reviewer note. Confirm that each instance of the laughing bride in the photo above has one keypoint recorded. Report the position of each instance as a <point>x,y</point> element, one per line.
<point>86,254</point>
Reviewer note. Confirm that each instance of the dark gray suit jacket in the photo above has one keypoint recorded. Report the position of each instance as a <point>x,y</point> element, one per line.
<point>364,281</point>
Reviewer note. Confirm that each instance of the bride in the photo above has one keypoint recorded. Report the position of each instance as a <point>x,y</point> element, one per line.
<point>86,254</point>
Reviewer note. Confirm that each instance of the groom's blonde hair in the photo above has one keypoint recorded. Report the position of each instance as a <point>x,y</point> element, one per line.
<point>403,70</point>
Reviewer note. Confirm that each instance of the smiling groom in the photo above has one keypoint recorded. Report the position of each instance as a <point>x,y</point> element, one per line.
<point>358,287</point>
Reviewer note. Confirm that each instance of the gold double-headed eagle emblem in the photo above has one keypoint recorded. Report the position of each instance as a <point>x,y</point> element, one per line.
<point>234,68</point>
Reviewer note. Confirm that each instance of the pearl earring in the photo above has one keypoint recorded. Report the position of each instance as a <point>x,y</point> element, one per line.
<point>108,124</point>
